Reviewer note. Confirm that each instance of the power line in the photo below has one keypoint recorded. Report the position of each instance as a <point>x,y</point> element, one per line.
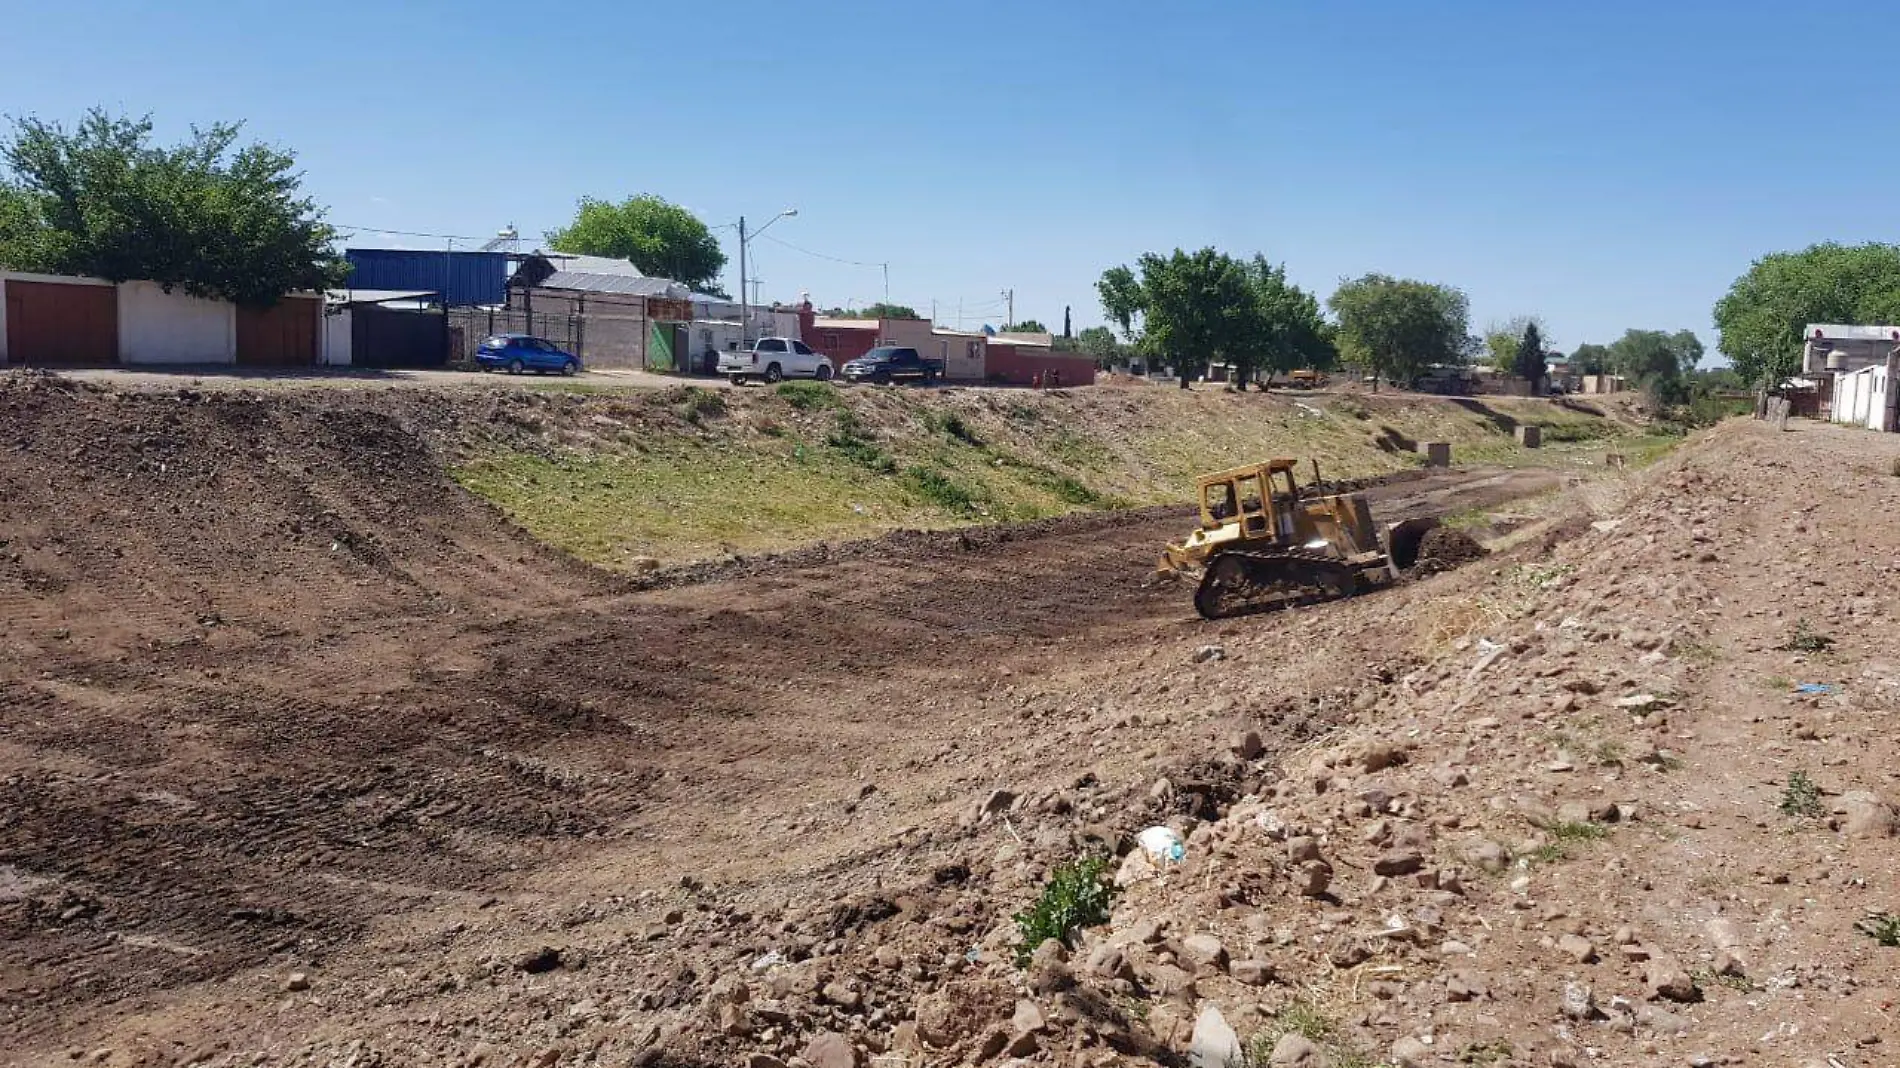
<point>408,233</point>
<point>822,256</point>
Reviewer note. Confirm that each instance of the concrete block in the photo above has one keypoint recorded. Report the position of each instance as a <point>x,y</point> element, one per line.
<point>1531,437</point>
<point>1436,453</point>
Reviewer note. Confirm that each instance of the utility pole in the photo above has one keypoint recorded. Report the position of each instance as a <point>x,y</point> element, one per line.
<point>745,311</point>
<point>887,283</point>
<point>1010,296</point>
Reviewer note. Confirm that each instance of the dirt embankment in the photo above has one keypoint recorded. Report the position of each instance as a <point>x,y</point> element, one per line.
<point>309,755</point>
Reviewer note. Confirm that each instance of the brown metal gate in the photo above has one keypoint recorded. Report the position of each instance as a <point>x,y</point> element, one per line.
<point>55,323</point>
<point>281,335</point>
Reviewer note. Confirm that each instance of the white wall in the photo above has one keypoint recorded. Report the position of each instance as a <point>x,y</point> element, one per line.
<point>1860,397</point>
<point>335,348</point>
<point>174,328</point>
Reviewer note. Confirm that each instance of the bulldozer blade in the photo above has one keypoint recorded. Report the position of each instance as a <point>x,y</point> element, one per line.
<point>1403,538</point>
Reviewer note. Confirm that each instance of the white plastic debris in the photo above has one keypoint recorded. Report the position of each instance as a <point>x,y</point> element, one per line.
<point>1162,845</point>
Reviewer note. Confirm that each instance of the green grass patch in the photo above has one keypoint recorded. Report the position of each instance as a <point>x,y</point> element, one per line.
<point>852,440</point>
<point>1079,450</point>
<point>953,426</point>
<point>1077,895</point>
<point>698,405</point>
<point>810,396</point>
<point>1883,928</point>
<point>937,488</point>
<point>1801,797</point>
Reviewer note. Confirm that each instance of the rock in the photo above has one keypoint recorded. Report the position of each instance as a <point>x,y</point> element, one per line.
<point>1462,987</point>
<point>1109,962</point>
<point>1866,816</point>
<point>1313,877</point>
<point>1248,746</point>
<point>1168,981</point>
<point>998,801</point>
<point>1485,854</point>
<point>1253,972</point>
<point>1377,756</point>
<point>1409,1052</point>
<point>644,565</point>
<point>1667,978</point>
<point>1214,1043</point>
<point>1049,968</point>
<point>764,1060</point>
<point>1398,862</point>
<point>842,996</point>
<point>1028,1018</point>
<point>828,1049</point>
<point>1578,1002</point>
<point>1577,948</point>
<point>1022,1045</point>
<point>1209,653</point>
<point>1301,848</point>
<point>1664,1022</point>
<point>1295,1050</point>
<point>537,961</point>
<point>297,981</point>
<point>1205,952</point>
<point>992,1044</point>
<point>1729,962</point>
<point>1135,867</point>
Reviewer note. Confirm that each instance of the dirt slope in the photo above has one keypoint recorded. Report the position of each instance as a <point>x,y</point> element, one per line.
<point>281,699</point>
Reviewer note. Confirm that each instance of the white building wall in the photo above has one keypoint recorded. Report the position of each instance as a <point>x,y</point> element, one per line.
<point>156,327</point>
<point>1860,397</point>
<point>335,350</point>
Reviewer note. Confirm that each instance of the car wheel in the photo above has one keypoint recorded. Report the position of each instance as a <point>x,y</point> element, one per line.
<point>571,368</point>
<point>882,378</point>
<point>773,373</point>
<point>823,374</point>
<point>737,380</point>
<point>515,367</point>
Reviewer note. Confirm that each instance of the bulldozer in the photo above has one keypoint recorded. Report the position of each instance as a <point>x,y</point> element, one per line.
<point>1265,542</point>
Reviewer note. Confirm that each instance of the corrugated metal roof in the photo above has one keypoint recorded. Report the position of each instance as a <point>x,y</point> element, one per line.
<point>592,282</point>
<point>463,277</point>
<point>568,261</point>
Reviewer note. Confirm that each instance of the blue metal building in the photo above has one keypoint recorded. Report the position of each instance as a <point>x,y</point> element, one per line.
<point>464,278</point>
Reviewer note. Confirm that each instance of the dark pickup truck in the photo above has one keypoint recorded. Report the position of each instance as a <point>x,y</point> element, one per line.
<point>889,363</point>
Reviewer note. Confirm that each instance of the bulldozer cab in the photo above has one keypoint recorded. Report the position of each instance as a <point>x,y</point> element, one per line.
<point>1261,500</point>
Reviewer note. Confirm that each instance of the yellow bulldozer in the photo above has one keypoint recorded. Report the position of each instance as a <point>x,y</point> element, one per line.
<point>1266,542</point>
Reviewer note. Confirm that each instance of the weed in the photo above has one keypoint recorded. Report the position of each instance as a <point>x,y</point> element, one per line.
<point>1079,450</point>
<point>1540,576</point>
<point>942,490</point>
<point>1548,853</point>
<point>1801,797</point>
<point>1078,895</point>
<point>850,438</point>
<point>810,396</point>
<point>1695,652</point>
<point>1711,977</point>
<point>952,425</point>
<point>1778,683</point>
<point>1883,928</point>
<point>1466,519</point>
<point>1303,1019</point>
<point>1805,639</point>
<point>1572,432</point>
<point>1578,832</point>
<point>1135,1008</point>
<point>1486,1053</point>
<point>699,404</point>
<point>1351,408</point>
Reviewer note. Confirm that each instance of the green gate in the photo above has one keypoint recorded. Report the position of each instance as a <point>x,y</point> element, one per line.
<point>659,346</point>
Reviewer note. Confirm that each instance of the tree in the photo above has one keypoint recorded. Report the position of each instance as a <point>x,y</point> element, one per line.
<point>880,310</point>
<point>660,238</point>
<point>1067,331</point>
<point>1395,327</point>
<point>1099,342</point>
<point>1187,308</point>
<point>1530,357</point>
<point>1501,341</point>
<point>1591,359</point>
<point>1027,326</point>
<point>1287,332</point>
<point>1761,318</point>
<point>217,221</point>
<point>1654,358</point>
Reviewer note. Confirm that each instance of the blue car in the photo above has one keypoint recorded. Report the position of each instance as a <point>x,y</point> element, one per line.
<point>516,353</point>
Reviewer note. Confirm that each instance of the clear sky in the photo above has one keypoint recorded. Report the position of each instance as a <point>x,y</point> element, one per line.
<point>1604,165</point>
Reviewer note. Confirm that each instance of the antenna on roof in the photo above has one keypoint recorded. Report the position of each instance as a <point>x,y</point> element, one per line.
<point>506,236</point>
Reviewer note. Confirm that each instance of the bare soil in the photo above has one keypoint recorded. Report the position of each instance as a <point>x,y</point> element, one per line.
<point>309,758</point>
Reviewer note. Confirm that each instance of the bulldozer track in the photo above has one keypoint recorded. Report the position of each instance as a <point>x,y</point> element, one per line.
<point>1233,582</point>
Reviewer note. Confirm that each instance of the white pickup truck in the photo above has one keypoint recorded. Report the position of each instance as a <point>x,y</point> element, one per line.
<point>773,358</point>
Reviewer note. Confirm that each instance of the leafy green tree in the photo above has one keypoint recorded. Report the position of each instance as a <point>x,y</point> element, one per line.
<point>1288,331</point>
<point>204,216</point>
<point>1591,359</point>
<point>1501,341</point>
<point>881,310</point>
<point>1530,357</point>
<point>1394,328</point>
<point>1099,342</point>
<point>1186,308</point>
<point>1027,326</point>
<point>1761,318</point>
<point>1656,361</point>
<point>661,238</point>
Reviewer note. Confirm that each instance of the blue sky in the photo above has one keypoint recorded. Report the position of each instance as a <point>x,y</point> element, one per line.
<point>1603,165</point>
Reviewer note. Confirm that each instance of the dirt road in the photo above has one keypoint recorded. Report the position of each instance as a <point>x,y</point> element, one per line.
<point>279,698</point>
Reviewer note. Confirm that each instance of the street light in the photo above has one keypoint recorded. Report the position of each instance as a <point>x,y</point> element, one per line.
<point>745,310</point>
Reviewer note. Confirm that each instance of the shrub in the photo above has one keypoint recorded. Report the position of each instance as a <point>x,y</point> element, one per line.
<point>1078,895</point>
<point>699,404</point>
<point>942,490</point>
<point>810,396</point>
<point>1801,797</point>
<point>850,438</point>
